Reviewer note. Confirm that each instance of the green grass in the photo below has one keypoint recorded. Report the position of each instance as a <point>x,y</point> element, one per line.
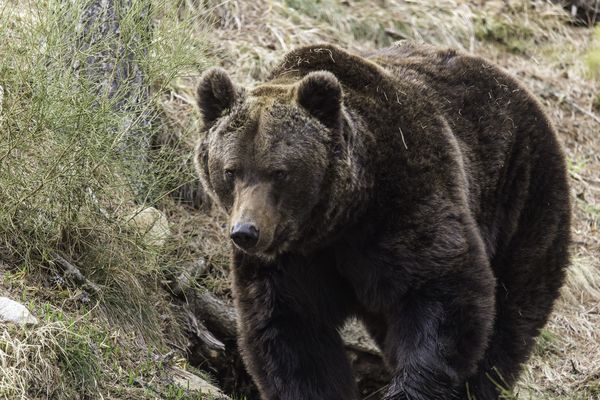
<point>68,187</point>
<point>592,56</point>
<point>64,357</point>
<point>577,165</point>
<point>516,37</point>
<point>69,357</point>
<point>592,211</point>
<point>546,343</point>
<point>64,173</point>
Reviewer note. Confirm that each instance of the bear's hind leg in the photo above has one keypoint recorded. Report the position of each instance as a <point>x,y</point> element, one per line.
<point>527,286</point>
<point>433,343</point>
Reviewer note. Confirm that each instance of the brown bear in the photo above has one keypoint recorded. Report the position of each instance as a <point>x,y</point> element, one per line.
<point>421,190</point>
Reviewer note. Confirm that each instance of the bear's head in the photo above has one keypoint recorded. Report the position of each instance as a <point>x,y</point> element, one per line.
<point>266,159</point>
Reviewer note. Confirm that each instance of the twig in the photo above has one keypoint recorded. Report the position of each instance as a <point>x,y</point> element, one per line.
<point>563,97</point>
<point>73,273</point>
<point>583,110</point>
<point>402,136</point>
<point>590,183</point>
<point>394,34</point>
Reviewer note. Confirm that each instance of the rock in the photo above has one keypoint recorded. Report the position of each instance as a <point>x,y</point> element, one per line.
<point>152,224</point>
<point>17,313</point>
<point>189,275</point>
<point>193,382</point>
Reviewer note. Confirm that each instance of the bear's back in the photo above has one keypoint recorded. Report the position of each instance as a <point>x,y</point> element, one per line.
<point>506,140</point>
<point>411,91</point>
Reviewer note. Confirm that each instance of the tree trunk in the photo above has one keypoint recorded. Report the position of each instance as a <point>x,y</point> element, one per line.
<point>113,73</point>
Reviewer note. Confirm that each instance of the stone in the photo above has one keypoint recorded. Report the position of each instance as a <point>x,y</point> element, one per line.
<point>152,224</point>
<point>14,312</point>
<point>193,382</point>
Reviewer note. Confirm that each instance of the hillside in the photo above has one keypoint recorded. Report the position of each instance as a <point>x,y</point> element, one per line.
<point>103,272</point>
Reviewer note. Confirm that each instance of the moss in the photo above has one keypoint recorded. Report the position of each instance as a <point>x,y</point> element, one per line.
<point>514,36</point>
<point>577,165</point>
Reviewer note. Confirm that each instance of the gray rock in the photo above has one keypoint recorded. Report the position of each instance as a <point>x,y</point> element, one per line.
<point>194,383</point>
<point>14,312</point>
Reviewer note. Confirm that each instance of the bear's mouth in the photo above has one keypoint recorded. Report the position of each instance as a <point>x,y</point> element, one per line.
<point>279,244</point>
<point>280,241</point>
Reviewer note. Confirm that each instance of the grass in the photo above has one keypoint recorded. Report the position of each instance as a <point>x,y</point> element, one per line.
<point>78,355</point>
<point>514,36</point>
<point>577,166</point>
<point>69,188</point>
<point>83,356</point>
<point>592,58</point>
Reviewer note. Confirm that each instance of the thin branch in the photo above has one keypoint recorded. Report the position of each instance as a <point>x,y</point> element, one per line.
<point>74,274</point>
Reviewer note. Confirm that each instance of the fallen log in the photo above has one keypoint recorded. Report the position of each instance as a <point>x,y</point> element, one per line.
<point>72,273</point>
<point>212,328</point>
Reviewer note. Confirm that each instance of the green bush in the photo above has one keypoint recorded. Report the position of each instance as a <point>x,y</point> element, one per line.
<point>67,180</point>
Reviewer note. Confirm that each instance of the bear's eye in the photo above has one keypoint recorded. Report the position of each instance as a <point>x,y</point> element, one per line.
<point>229,174</point>
<point>280,174</point>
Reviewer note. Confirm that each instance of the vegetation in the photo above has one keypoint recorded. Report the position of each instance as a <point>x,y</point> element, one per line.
<point>67,191</point>
<point>67,182</point>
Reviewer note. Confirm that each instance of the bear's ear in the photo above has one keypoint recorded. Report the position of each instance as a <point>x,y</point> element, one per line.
<point>320,93</point>
<point>216,93</point>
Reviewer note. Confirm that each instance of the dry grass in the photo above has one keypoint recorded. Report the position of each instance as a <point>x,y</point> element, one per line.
<point>80,356</point>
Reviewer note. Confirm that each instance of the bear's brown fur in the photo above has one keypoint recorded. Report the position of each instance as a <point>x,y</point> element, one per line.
<point>421,190</point>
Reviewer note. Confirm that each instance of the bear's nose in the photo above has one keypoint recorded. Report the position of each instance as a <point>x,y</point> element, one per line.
<point>244,235</point>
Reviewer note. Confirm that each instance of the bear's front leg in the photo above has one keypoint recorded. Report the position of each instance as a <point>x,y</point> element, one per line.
<point>433,305</point>
<point>437,333</point>
<point>289,312</point>
<point>434,342</point>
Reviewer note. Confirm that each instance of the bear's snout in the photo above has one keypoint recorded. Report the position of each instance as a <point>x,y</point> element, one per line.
<point>245,236</point>
<point>254,218</point>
